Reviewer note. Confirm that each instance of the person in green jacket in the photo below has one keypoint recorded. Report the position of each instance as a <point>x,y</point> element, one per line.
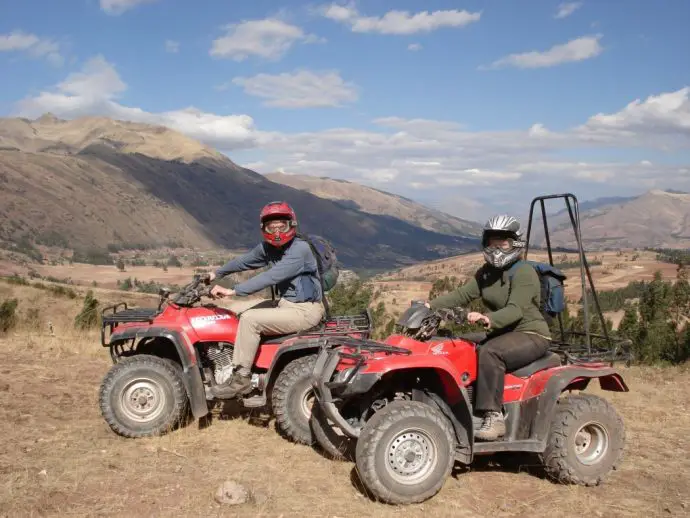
<point>517,334</point>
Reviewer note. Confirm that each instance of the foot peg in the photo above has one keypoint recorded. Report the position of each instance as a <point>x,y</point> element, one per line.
<point>256,401</point>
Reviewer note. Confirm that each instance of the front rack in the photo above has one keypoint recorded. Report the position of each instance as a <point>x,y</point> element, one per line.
<point>110,317</point>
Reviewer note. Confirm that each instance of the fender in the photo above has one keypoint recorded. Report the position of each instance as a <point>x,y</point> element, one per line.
<point>300,344</point>
<point>460,417</point>
<point>449,375</point>
<point>191,376</point>
<point>609,379</point>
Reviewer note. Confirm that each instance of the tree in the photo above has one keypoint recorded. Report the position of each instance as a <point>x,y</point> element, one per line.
<point>350,299</point>
<point>680,297</point>
<point>629,326</point>
<point>120,264</point>
<point>88,317</point>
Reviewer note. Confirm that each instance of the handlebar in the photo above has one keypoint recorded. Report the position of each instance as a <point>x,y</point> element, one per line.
<point>192,292</point>
<point>430,324</point>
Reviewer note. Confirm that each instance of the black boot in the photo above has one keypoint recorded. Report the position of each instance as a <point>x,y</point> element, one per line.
<point>238,384</point>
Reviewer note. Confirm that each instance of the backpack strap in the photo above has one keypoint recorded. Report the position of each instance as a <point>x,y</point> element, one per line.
<point>319,265</point>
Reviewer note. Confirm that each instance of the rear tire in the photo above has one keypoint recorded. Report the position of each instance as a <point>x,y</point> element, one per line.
<point>405,452</point>
<point>336,446</point>
<point>292,398</point>
<point>585,442</point>
<point>144,396</point>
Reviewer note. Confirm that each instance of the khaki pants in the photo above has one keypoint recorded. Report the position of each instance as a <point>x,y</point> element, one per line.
<point>288,317</point>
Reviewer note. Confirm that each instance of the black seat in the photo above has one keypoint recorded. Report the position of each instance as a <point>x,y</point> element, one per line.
<point>276,339</point>
<point>548,361</point>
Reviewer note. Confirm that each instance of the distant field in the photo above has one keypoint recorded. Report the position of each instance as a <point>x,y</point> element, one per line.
<point>106,276</point>
<point>615,271</point>
<point>610,270</point>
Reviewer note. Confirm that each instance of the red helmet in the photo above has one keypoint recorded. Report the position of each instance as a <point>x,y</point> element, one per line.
<point>278,210</point>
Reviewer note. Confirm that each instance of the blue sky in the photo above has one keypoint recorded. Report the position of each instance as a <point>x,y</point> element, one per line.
<point>468,106</point>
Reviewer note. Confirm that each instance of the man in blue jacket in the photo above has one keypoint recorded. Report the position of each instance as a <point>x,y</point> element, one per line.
<point>293,272</point>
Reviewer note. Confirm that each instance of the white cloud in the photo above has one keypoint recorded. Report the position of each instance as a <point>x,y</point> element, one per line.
<point>585,47</point>
<point>117,7</point>
<point>300,89</point>
<point>567,8</point>
<point>19,41</point>
<point>666,114</point>
<point>398,22</point>
<point>172,46</point>
<point>414,47</point>
<point>269,38</point>
<point>439,159</point>
<point>94,91</point>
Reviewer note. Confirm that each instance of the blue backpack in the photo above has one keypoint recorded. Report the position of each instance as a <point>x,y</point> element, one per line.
<point>326,260</point>
<point>552,300</point>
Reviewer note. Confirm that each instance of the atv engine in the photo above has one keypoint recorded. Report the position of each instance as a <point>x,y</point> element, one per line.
<point>217,358</point>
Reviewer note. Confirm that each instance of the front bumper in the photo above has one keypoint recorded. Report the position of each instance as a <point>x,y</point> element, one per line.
<point>348,382</point>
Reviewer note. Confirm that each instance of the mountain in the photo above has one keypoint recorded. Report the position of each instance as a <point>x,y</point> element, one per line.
<point>599,203</point>
<point>656,219</point>
<point>93,181</point>
<point>374,201</point>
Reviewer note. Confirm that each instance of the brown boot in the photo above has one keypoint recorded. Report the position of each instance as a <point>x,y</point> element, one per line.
<point>238,384</point>
<point>492,428</point>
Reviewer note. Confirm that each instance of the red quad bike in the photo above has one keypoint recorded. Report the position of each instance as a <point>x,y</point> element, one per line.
<point>404,407</point>
<point>166,358</point>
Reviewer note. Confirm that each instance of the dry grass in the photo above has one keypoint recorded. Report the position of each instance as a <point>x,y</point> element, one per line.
<point>59,458</point>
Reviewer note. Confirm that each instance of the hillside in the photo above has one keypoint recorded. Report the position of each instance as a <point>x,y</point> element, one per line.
<point>92,182</point>
<point>374,201</point>
<point>656,219</point>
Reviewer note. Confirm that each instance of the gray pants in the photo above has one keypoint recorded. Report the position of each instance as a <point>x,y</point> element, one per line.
<point>288,317</point>
<point>504,353</point>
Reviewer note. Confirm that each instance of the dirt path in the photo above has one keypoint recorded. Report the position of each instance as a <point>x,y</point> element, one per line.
<point>58,458</point>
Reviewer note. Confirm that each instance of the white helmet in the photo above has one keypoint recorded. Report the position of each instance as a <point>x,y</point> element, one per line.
<point>502,227</point>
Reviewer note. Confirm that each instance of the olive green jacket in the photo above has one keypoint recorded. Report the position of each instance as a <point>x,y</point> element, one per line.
<point>512,308</point>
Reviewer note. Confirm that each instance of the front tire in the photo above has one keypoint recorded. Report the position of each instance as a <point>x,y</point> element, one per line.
<point>586,441</point>
<point>143,396</point>
<point>405,452</point>
<point>292,399</point>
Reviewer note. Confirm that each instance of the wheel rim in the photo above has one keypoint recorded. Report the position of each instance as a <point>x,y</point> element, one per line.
<point>410,456</point>
<point>591,443</point>
<point>142,400</point>
<point>306,402</point>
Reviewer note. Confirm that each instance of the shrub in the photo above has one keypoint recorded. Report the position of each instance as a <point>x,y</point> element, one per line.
<point>8,315</point>
<point>88,317</point>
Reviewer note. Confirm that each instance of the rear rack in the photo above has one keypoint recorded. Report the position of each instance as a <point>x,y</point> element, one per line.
<point>110,317</point>
<point>348,323</point>
<point>619,351</point>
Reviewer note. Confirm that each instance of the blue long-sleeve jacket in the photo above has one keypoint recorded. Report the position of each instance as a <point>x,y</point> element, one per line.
<point>293,271</point>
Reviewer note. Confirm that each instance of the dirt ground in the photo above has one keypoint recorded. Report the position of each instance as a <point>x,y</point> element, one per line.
<point>59,458</point>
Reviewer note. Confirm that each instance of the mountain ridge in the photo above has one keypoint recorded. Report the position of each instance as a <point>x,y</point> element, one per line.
<point>94,181</point>
<point>655,219</point>
<point>376,201</point>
